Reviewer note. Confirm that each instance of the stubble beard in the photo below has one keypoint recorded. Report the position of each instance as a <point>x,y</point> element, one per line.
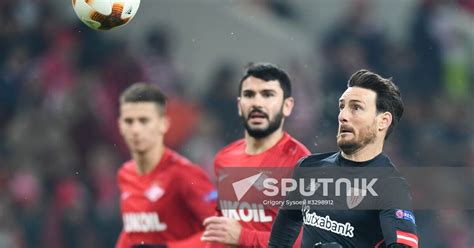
<point>367,136</point>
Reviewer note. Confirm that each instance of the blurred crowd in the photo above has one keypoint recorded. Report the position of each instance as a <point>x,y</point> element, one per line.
<point>59,84</point>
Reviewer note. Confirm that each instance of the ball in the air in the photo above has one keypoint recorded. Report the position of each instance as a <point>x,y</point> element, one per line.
<point>105,14</point>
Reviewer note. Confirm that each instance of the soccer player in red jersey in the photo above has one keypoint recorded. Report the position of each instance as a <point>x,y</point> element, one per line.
<point>164,197</point>
<point>264,102</point>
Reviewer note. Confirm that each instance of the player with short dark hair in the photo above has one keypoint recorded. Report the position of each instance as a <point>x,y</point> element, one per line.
<point>143,93</point>
<point>268,72</point>
<point>163,196</point>
<point>368,111</point>
<point>264,103</point>
<point>388,95</point>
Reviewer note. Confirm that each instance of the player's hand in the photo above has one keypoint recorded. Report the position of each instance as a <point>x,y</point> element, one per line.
<point>221,230</point>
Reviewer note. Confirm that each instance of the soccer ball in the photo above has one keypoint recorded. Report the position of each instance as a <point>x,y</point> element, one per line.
<point>105,14</point>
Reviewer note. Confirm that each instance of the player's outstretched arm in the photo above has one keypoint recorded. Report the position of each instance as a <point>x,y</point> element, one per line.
<point>285,229</point>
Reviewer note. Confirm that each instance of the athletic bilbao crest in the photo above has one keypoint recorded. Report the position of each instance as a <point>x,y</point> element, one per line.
<point>154,193</point>
<point>355,197</point>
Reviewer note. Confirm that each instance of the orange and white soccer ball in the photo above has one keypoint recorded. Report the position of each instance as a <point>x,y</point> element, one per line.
<point>105,14</point>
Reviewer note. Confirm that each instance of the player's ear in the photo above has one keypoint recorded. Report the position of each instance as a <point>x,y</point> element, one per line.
<point>384,121</point>
<point>239,109</point>
<point>165,124</point>
<point>288,105</point>
<point>119,125</point>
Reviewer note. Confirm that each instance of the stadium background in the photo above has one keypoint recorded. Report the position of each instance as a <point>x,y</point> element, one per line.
<point>59,82</point>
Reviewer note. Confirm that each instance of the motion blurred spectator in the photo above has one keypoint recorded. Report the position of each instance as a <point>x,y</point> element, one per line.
<point>221,100</point>
<point>355,41</point>
<point>158,62</point>
<point>427,69</point>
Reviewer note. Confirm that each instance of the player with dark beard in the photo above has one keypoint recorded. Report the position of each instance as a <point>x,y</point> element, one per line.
<point>264,103</point>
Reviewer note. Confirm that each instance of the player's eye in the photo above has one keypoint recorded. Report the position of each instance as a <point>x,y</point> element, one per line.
<point>357,107</point>
<point>267,94</point>
<point>144,120</point>
<point>128,121</point>
<point>341,107</point>
<point>248,94</point>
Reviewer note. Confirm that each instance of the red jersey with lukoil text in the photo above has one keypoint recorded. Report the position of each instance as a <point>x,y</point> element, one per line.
<point>286,153</point>
<point>167,204</point>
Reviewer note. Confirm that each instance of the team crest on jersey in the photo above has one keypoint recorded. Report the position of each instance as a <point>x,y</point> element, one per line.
<point>154,193</point>
<point>355,197</point>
